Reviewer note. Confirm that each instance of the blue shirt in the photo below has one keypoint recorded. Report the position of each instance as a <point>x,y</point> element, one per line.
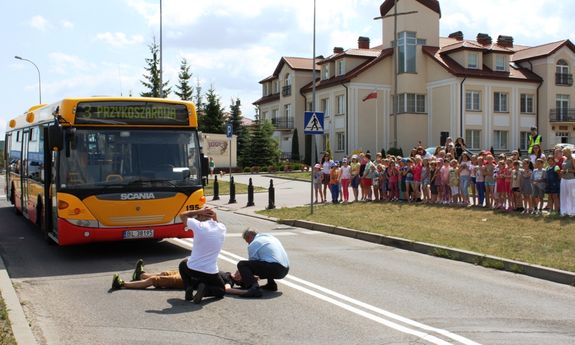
<point>266,247</point>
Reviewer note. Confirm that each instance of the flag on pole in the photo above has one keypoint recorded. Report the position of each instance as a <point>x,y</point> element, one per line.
<point>372,94</point>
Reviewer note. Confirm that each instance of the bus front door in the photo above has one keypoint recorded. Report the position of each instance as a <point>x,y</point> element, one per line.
<point>24,173</point>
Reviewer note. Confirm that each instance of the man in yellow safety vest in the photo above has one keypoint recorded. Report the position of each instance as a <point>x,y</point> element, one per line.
<point>534,139</point>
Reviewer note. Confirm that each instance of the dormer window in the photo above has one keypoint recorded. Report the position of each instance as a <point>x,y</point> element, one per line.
<point>501,63</point>
<point>325,72</point>
<point>340,67</point>
<point>472,61</point>
<point>562,75</point>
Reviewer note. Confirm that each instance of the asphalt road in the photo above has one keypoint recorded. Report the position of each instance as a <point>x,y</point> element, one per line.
<point>339,291</point>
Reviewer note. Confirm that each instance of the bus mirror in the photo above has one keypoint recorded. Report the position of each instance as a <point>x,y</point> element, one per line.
<point>205,165</point>
<point>55,137</point>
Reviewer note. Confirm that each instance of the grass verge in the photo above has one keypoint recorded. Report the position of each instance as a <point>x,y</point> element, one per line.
<point>225,188</point>
<point>6,335</point>
<point>542,240</point>
<point>296,175</point>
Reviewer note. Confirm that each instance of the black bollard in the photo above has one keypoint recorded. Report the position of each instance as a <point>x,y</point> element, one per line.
<point>216,188</point>
<point>271,196</point>
<point>232,191</point>
<point>250,194</point>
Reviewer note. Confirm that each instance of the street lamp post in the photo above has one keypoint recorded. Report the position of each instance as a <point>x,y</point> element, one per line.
<point>39,79</point>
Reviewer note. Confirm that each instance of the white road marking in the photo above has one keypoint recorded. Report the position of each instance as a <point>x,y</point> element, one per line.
<point>346,303</point>
<point>284,233</point>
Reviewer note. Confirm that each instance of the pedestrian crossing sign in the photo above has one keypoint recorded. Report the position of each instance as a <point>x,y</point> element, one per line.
<point>313,121</point>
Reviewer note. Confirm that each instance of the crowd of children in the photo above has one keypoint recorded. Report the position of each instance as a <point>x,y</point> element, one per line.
<point>504,182</point>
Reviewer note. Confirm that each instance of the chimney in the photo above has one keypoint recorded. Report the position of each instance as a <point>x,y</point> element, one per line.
<point>363,42</point>
<point>484,39</point>
<point>337,50</point>
<point>458,35</point>
<point>505,41</point>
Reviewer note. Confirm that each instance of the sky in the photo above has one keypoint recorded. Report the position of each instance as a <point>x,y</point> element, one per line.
<point>88,48</point>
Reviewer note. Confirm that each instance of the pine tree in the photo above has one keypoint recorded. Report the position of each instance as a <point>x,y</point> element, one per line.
<point>264,149</point>
<point>236,115</point>
<point>213,118</point>
<point>152,80</point>
<point>185,90</point>
<point>198,99</point>
<point>244,147</point>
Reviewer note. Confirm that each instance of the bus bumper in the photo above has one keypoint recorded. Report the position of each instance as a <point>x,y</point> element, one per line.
<point>69,234</point>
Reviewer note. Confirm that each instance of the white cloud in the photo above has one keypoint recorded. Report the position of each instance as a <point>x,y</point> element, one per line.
<point>119,39</point>
<point>39,23</point>
<point>66,24</point>
<point>62,63</point>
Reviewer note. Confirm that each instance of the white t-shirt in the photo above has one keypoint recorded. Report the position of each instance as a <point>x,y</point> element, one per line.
<point>208,241</point>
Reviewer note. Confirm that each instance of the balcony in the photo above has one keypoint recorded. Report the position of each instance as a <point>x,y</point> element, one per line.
<point>285,123</point>
<point>564,79</point>
<point>286,90</point>
<point>562,115</point>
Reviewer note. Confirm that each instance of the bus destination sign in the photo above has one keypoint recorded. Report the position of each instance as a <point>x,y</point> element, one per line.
<point>134,113</point>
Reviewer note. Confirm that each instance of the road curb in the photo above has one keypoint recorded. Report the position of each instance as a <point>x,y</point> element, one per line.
<point>540,272</point>
<point>20,326</point>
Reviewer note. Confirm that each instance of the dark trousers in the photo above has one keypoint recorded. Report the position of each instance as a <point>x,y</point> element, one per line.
<point>192,278</point>
<point>262,269</point>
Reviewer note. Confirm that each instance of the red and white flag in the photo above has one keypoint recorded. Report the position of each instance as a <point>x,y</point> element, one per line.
<point>372,94</point>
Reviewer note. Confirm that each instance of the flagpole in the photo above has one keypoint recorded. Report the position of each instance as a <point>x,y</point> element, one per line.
<point>376,122</point>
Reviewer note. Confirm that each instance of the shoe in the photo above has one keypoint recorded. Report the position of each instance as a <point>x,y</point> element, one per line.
<point>254,291</point>
<point>200,293</point>
<point>270,286</point>
<point>117,282</point>
<point>189,294</point>
<point>138,270</point>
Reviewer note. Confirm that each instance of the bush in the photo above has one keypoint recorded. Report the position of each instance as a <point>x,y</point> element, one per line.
<point>247,169</point>
<point>287,167</point>
<point>297,166</point>
<point>263,169</point>
<point>272,168</point>
<point>255,169</point>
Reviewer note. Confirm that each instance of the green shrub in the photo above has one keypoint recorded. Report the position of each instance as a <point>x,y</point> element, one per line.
<point>297,166</point>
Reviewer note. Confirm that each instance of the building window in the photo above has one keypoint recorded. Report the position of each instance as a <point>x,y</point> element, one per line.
<point>562,105</point>
<point>276,86</point>
<point>340,141</point>
<point>500,140</point>
<point>265,89</point>
<point>562,75</point>
<point>340,67</point>
<point>325,72</point>
<point>407,44</point>
<point>524,140</point>
<point>472,61</point>
<point>324,104</point>
<point>275,113</point>
<point>472,139</point>
<point>526,103</point>
<point>340,104</point>
<point>500,102</point>
<point>472,101</point>
<point>411,103</point>
<point>264,115</point>
<point>500,63</point>
<point>287,111</point>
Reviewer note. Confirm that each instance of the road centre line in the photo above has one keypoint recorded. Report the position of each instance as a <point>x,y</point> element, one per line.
<point>297,283</point>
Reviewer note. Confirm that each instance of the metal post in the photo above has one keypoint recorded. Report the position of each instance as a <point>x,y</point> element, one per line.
<point>250,194</point>
<point>312,109</point>
<point>161,59</point>
<point>39,78</point>
<point>216,188</point>
<point>271,196</point>
<point>232,191</point>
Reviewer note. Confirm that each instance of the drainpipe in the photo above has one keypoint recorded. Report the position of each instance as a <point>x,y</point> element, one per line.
<point>346,119</point>
<point>461,106</point>
<point>537,111</point>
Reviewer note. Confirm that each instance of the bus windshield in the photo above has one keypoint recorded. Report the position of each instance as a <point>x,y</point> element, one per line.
<point>130,157</point>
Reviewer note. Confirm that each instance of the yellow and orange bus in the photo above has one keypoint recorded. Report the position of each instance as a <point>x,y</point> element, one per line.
<point>106,168</point>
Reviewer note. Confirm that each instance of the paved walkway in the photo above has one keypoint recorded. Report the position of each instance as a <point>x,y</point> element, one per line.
<point>288,193</point>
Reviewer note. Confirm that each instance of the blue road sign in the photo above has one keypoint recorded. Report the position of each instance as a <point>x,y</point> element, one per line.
<point>313,122</point>
<point>229,130</point>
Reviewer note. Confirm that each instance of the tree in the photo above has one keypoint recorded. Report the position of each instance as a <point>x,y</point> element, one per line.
<point>198,99</point>
<point>185,90</point>
<point>212,120</point>
<point>295,146</point>
<point>264,149</point>
<point>244,146</point>
<point>236,115</point>
<point>152,80</point>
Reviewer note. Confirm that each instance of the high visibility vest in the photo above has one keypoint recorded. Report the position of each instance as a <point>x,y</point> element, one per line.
<point>533,142</point>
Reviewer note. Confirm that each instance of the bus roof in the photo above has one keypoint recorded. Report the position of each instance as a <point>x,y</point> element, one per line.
<point>65,109</point>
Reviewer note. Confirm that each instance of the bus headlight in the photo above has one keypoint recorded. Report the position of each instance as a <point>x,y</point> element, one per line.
<point>86,223</point>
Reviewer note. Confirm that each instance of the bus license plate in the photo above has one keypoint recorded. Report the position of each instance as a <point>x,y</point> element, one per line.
<point>132,234</point>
